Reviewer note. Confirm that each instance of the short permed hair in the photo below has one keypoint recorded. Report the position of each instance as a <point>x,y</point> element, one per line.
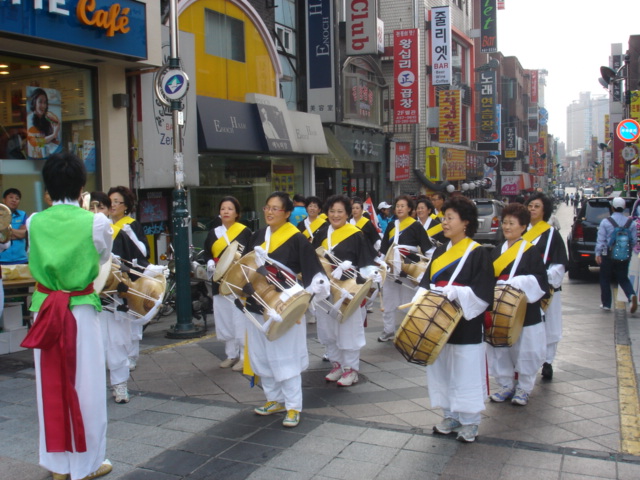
<point>467,211</point>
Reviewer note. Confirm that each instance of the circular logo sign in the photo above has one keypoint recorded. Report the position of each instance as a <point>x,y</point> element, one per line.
<point>629,153</point>
<point>628,130</point>
<point>491,161</point>
<point>174,84</point>
<point>406,78</point>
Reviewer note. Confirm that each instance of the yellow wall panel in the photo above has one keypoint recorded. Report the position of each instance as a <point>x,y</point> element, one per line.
<point>228,79</point>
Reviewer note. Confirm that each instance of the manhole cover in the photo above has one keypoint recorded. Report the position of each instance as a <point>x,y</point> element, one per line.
<point>315,379</point>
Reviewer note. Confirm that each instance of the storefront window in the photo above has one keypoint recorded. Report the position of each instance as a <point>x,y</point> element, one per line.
<point>363,90</point>
<point>250,179</point>
<point>45,108</point>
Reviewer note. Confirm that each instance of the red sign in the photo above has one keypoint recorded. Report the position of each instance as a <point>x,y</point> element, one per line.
<point>628,130</point>
<point>534,86</point>
<point>406,60</point>
<point>402,164</point>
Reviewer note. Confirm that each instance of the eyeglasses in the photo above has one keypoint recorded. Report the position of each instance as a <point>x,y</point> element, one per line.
<point>267,208</point>
<point>116,203</point>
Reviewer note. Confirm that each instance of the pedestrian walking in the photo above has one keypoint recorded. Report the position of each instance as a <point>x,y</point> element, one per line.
<point>616,236</point>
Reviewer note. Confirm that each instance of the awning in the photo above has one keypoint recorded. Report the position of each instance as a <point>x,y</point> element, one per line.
<point>337,157</point>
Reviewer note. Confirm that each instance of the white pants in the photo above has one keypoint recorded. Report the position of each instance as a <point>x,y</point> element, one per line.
<point>230,326</point>
<point>90,386</point>
<point>463,418</point>
<point>394,295</point>
<point>134,346</point>
<point>525,357</point>
<point>116,338</point>
<point>287,392</point>
<point>553,326</point>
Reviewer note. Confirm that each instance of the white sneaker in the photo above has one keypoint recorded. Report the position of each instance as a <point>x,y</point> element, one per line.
<point>348,378</point>
<point>229,362</point>
<point>132,363</point>
<point>385,337</point>
<point>121,393</point>
<point>467,433</point>
<point>335,373</point>
<point>238,366</point>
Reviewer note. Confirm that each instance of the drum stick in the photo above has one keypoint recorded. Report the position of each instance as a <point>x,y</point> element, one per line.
<point>405,306</point>
<point>381,299</point>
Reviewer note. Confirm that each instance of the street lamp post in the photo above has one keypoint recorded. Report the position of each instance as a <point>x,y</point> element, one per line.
<point>171,87</point>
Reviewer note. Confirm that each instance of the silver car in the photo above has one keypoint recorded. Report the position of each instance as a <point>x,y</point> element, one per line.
<point>489,213</point>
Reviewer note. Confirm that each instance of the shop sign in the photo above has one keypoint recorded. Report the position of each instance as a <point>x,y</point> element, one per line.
<point>441,66</point>
<point>449,130</point>
<point>510,147</point>
<point>309,134</point>
<point>510,185</point>
<point>455,164</point>
<point>488,123</point>
<point>400,161</point>
<point>488,26</point>
<point>533,86</point>
<point>362,26</point>
<point>406,61</point>
<point>115,27</point>
<point>321,95</point>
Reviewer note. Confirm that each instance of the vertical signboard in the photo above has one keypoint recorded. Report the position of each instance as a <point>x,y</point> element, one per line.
<point>432,164</point>
<point>449,130</point>
<point>634,105</point>
<point>361,26</point>
<point>533,87</point>
<point>440,46</point>
<point>456,164</point>
<point>510,148</point>
<point>488,124</point>
<point>618,162</point>
<point>406,56</point>
<point>616,86</point>
<point>321,97</point>
<point>400,161</point>
<point>488,26</point>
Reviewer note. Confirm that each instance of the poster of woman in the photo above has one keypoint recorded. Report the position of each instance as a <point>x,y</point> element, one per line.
<point>44,122</point>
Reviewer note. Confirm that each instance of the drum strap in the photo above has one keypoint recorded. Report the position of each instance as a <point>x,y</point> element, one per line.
<point>512,254</point>
<point>312,227</point>
<point>334,237</point>
<point>451,256</point>
<point>399,227</point>
<point>535,231</point>
<point>226,238</point>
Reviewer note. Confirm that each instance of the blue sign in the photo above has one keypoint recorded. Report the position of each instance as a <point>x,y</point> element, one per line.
<point>105,26</point>
<point>175,84</point>
<point>320,43</point>
<point>628,130</point>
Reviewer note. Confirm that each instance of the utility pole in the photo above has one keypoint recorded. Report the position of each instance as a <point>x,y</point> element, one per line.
<point>171,86</point>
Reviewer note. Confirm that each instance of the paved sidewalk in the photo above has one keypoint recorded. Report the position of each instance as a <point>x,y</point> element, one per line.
<point>190,419</point>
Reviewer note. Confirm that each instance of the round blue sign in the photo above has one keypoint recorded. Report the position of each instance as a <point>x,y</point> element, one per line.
<point>175,84</point>
<point>628,130</point>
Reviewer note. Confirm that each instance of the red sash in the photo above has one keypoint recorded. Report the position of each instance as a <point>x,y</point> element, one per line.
<point>54,332</point>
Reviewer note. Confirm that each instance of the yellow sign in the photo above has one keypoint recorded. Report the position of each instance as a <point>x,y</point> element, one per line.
<point>114,20</point>
<point>456,164</point>
<point>432,165</point>
<point>450,104</point>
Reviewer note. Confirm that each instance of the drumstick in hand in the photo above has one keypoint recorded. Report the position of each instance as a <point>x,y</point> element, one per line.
<point>380,295</point>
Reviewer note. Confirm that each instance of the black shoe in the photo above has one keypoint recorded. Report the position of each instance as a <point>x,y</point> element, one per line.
<point>547,371</point>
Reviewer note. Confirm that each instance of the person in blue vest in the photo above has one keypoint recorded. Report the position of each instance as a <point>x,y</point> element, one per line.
<point>299,212</point>
<point>17,252</point>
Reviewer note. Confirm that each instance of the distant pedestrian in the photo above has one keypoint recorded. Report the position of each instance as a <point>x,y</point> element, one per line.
<point>608,257</point>
<point>566,198</point>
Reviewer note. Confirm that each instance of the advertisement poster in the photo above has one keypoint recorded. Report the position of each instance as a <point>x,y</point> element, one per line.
<point>400,161</point>
<point>283,178</point>
<point>450,116</point>
<point>406,54</point>
<point>44,122</point>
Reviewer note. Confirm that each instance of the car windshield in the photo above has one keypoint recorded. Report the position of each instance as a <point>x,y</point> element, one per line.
<point>485,209</point>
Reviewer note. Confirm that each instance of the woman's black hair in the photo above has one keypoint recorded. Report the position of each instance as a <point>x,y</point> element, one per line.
<point>102,198</point>
<point>466,209</point>
<point>519,211</point>
<point>287,203</point>
<point>427,203</point>
<point>313,199</point>
<point>547,205</point>
<point>127,195</point>
<point>333,199</point>
<point>64,175</point>
<point>236,204</point>
<point>406,198</point>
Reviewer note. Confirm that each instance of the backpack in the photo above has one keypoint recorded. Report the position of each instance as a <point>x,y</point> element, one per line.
<point>620,242</point>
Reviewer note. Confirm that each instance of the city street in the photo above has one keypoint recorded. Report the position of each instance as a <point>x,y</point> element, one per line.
<point>187,418</point>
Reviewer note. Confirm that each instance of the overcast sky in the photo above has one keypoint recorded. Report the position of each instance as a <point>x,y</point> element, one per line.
<point>570,39</point>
